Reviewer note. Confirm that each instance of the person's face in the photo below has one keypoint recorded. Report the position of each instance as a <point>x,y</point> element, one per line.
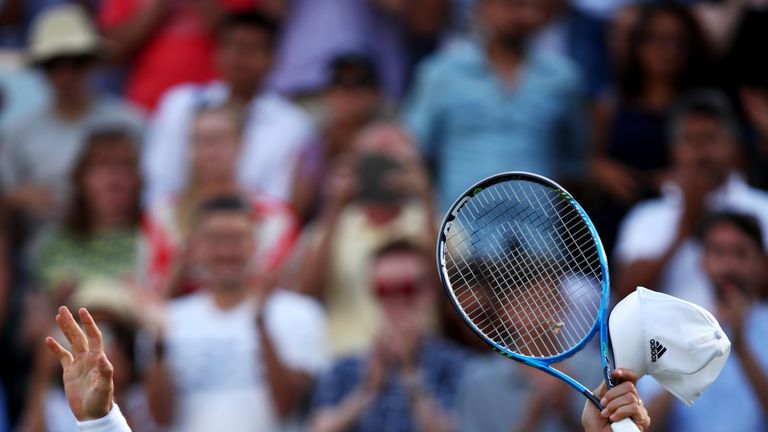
<point>513,21</point>
<point>216,144</point>
<point>400,284</point>
<point>352,103</point>
<point>68,75</point>
<point>244,56</point>
<point>111,179</point>
<point>703,147</point>
<point>732,260</point>
<point>663,47</point>
<point>225,246</point>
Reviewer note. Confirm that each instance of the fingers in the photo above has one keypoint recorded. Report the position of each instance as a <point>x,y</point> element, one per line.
<point>72,331</point>
<point>623,375</point>
<point>619,391</point>
<point>621,401</point>
<point>62,354</point>
<point>95,340</point>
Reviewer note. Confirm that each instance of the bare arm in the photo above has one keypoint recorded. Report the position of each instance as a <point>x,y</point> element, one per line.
<point>317,261</point>
<point>130,36</point>
<point>159,387</point>
<point>286,385</point>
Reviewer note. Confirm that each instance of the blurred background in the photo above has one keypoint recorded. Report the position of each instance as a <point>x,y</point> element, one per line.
<point>133,132</point>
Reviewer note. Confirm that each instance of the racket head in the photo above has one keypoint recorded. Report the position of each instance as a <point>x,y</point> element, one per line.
<point>530,203</point>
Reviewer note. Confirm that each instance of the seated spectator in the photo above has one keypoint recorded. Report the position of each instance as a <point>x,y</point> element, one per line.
<point>409,379</point>
<point>666,54</point>
<point>165,43</point>
<point>275,130</point>
<point>39,152</point>
<point>100,235</point>
<point>656,247</point>
<point>240,354</point>
<point>734,261</point>
<point>216,144</point>
<point>378,194</point>
<point>497,104</point>
<point>352,100</point>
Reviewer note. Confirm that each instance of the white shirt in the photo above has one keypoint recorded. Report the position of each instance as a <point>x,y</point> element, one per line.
<point>276,131</point>
<point>650,228</point>
<point>214,357</point>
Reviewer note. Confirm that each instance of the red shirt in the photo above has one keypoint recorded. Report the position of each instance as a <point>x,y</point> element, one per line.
<point>179,51</point>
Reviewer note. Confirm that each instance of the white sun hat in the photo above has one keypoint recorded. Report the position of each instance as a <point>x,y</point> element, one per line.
<point>678,343</point>
<point>62,30</point>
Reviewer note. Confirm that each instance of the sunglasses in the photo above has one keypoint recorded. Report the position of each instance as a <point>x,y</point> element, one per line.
<point>405,289</point>
<point>68,62</point>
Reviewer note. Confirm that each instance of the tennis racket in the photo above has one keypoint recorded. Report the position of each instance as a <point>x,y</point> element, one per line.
<point>523,265</point>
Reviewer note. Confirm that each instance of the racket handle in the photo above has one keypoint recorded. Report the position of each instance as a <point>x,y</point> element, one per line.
<point>626,425</point>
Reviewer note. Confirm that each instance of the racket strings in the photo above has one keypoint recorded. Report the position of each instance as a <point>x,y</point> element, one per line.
<point>524,268</point>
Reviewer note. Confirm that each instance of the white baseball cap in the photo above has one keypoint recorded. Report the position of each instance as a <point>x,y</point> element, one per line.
<point>678,343</point>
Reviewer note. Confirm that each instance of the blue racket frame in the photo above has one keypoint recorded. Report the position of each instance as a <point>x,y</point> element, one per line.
<point>601,322</point>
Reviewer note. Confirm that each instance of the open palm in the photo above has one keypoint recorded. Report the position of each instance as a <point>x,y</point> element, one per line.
<point>87,371</point>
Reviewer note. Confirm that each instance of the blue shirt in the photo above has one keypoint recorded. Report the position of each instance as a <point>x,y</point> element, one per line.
<point>470,124</point>
<point>442,364</point>
<point>729,404</point>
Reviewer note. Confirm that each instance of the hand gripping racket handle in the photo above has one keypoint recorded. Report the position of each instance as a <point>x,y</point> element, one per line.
<point>626,425</point>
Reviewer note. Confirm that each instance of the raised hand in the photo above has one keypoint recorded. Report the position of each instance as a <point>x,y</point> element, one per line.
<point>87,371</point>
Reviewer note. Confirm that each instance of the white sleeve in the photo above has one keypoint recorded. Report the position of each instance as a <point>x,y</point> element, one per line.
<point>299,328</point>
<point>646,232</point>
<point>112,422</point>
<point>164,159</point>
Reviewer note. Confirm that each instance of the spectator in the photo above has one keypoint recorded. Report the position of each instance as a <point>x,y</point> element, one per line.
<point>166,43</point>
<point>666,53</point>
<point>351,100</point>
<point>216,144</point>
<point>239,355</point>
<point>527,399</point>
<point>275,130</point>
<point>39,152</point>
<point>408,380</point>
<point>396,34</point>
<point>655,246</point>
<point>734,260</point>
<point>492,105</point>
<point>100,235</point>
<point>377,194</point>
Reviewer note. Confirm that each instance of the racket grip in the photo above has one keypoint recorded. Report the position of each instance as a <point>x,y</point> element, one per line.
<point>626,425</point>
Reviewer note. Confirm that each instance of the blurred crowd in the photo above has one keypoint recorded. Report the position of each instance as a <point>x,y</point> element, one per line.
<point>246,194</point>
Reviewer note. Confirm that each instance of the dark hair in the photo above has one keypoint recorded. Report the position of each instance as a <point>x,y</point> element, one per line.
<point>705,102</point>
<point>632,76</point>
<point>746,224</point>
<point>353,69</point>
<point>222,204</point>
<point>251,19</point>
<point>78,218</point>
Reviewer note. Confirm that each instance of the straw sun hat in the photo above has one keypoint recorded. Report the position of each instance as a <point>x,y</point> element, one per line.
<point>64,30</point>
